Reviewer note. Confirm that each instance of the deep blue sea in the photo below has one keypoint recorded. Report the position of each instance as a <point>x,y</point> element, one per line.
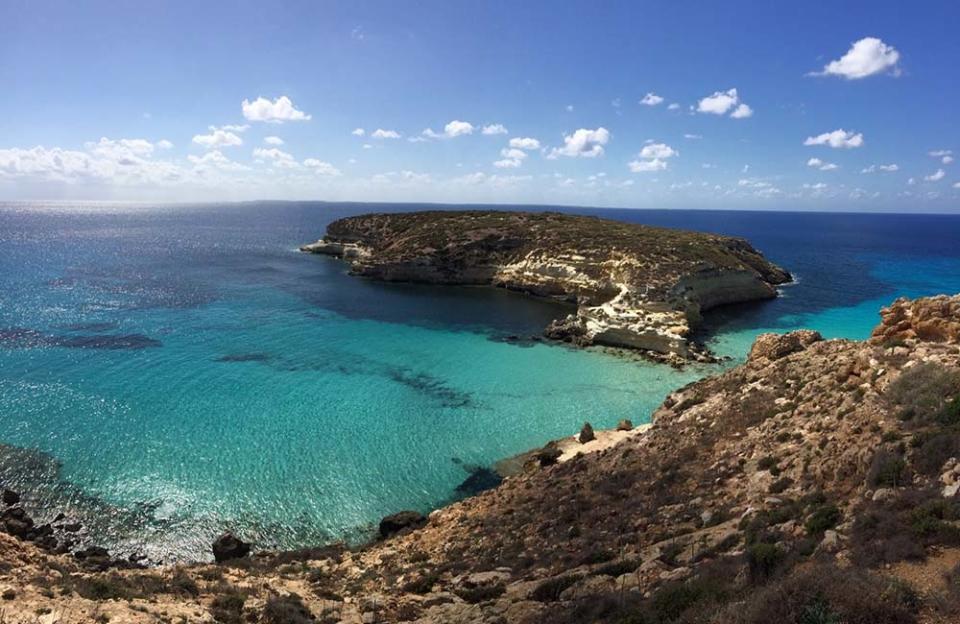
<point>170,372</point>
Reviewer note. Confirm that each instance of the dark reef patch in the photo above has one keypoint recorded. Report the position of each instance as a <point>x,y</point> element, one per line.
<point>481,479</point>
<point>95,327</point>
<point>25,338</point>
<point>432,386</point>
<point>244,357</point>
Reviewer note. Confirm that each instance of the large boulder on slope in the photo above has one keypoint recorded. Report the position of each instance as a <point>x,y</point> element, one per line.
<point>228,546</point>
<point>775,346</point>
<point>394,523</point>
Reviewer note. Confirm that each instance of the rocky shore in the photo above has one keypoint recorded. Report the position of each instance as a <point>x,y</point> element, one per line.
<point>635,286</point>
<point>817,482</point>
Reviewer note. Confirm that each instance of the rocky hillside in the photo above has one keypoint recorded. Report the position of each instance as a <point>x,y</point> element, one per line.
<point>816,483</point>
<point>635,286</point>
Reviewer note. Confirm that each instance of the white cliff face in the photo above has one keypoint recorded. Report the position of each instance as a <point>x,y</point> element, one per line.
<point>635,287</point>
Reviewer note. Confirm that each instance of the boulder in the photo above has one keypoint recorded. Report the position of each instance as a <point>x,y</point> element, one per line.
<point>394,523</point>
<point>775,346</point>
<point>228,546</point>
<point>548,455</point>
<point>10,497</point>
<point>16,522</point>
<point>586,433</point>
<point>625,425</point>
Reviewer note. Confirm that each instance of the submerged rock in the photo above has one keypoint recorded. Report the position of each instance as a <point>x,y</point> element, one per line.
<point>10,497</point>
<point>228,546</point>
<point>400,521</point>
<point>481,479</point>
<point>548,455</point>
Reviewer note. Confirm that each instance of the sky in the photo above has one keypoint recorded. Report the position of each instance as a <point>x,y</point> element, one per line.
<point>849,106</point>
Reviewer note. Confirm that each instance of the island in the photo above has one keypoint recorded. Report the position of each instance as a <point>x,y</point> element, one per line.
<point>634,286</point>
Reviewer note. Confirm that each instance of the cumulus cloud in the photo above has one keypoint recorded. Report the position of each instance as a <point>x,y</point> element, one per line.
<point>936,176</point>
<point>582,143</point>
<point>947,160</point>
<point>865,57</point>
<point>358,132</point>
<point>742,111</point>
<point>507,163</point>
<point>120,148</point>
<point>512,157</point>
<point>380,133</point>
<point>525,143</point>
<point>452,130</point>
<point>723,102</point>
<point>658,150</point>
<point>276,156</point>
<point>217,138</point>
<point>816,163</point>
<point>653,157</point>
<point>494,129</point>
<point>215,159</point>
<point>651,99</point>
<point>673,106</point>
<point>277,111</point>
<point>321,168</point>
<point>939,153</point>
<point>273,140</point>
<point>836,139</point>
<point>884,168</point>
<point>113,161</point>
<point>164,144</point>
<point>646,166</point>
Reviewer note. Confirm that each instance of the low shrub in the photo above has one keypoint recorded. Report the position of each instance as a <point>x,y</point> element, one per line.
<point>925,393</point>
<point>287,609</point>
<point>887,469</point>
<point>550,589</point>
<point>823,517</point>
<point>763,559</point>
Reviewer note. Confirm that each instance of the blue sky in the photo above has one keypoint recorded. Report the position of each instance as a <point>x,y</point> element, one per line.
<point>145,101</point>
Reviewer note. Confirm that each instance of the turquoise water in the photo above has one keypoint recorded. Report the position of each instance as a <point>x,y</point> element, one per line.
<point>184,370</point>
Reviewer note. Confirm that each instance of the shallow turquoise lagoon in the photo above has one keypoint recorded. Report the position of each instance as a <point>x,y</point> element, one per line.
<point>168,373</point>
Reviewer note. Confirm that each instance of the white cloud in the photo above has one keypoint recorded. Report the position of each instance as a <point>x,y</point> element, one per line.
<point>215,159</point>
<point>569,108</point>
<point>651,99</point>
<point>947,160</point>
<point>273,140</point>
<point>452,130</point>
<point>276,156</point>
<point>865,57</point>
<point>885,168</point>
<point>120,148</point>
<point>217,138</point>
<point>584,143</point>
<point>658,150</point>
<point>234,128</point>
<point>836,139</point>
<point>936,176</point>
<point>321,168</point>
<point>956,185</point>
<point>646,166</point>
<point>673,106</point>
<point>458,128</point>
<point>494,129</point>
<point>525,143</point>
<point>693,137</point>
<point>723,102</point>
<point>507,163</point>
<point>278,111</point>
<point>816,163</point>
<point>358,132</point>
<point>380,133</point>
<point>939,153</point>
<point>164,144</point>
<point>513,152</point>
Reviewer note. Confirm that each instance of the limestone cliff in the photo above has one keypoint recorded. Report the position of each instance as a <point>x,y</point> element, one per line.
<point>635,286</point>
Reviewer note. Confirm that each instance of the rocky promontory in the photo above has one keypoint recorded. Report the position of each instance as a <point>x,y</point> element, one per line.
<point>635,286</point>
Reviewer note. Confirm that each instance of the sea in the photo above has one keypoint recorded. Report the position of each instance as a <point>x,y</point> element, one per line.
<point>170,372</point>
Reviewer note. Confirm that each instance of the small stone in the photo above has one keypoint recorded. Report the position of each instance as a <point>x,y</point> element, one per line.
<point>884,494</point>
<point>586,434</point>
<point>8,593</point>
<point>676,574</point>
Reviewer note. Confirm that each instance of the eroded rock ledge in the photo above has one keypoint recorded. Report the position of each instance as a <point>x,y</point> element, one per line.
<point>635,286</point>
